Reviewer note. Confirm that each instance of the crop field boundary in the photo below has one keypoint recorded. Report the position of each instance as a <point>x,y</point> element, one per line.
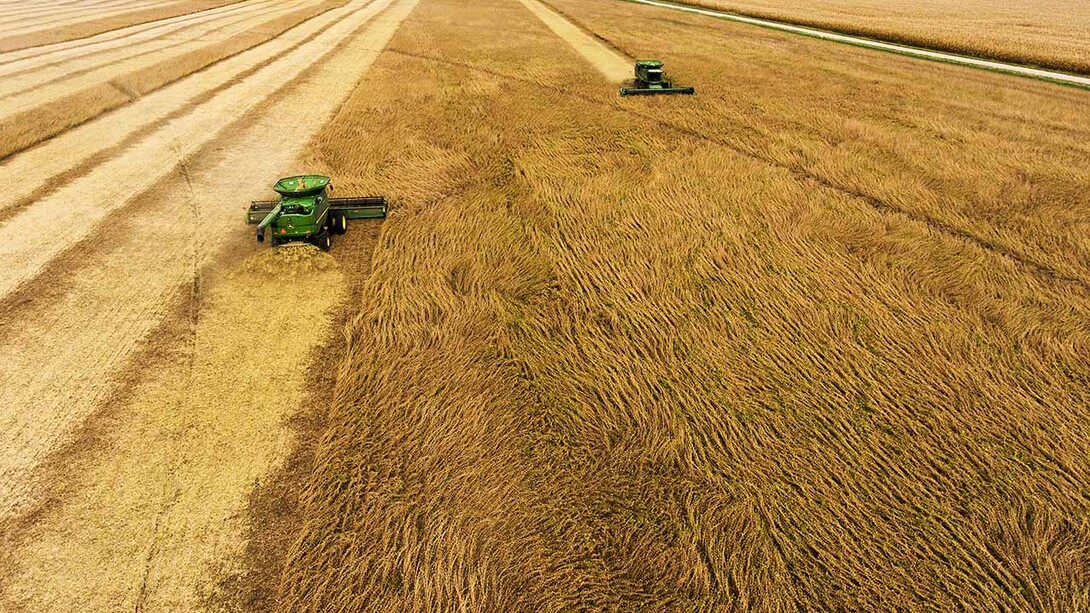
<point>812,339</point>
<point>934,55</point>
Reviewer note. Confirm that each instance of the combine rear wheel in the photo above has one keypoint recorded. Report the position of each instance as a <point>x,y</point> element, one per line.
<point>323,241</point>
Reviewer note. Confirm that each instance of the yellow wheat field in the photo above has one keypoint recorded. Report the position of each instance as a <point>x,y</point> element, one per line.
<point>1053,33</point>
<point>814,339</point>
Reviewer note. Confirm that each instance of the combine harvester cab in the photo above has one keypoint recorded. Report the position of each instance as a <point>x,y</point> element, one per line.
<point>306,212</point>
<point>651,80</point>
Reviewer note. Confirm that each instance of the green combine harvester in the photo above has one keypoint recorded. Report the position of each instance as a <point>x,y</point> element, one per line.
<point>307,213</point>
<point>650,81</point>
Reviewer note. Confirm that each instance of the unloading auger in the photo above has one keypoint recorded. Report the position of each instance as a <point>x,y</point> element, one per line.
<point>306,212</point>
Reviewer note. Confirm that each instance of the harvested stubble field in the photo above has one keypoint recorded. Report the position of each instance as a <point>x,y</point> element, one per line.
<point>1047,33</point>
<point>813,339</point>
<point>38,23</point>
<point>48,93</point>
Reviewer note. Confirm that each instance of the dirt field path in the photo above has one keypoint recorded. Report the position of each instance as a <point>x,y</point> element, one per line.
<point>921,52</point>
<point>153,513</point>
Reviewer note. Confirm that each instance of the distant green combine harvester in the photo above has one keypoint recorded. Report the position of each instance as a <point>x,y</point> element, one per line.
<point>651,80</point>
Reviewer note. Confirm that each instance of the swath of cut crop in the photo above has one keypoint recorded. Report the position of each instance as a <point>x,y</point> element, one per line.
<point>30,76</point>
<point>24,130</point>
<point>151,519</point>
<point>29,16</point>
<point>611,64</point>
<point>154,516</point>
<point>34,115</point>
<point>272,510</point>
<point>59,51</point>
<point>102,25</point>
<point>37,20</point>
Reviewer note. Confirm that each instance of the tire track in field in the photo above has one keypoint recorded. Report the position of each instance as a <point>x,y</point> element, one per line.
<point>40,87</point>
<point>158,511</point>
<point>16,62</point>
<point>121,283</point>
<point>35,173</point>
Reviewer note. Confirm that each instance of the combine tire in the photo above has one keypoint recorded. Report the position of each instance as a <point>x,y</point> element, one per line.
<point>338,222</point>
<point>323,241</point>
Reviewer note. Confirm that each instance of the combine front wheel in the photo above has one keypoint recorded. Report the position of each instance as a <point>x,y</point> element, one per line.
<point>338,222</point>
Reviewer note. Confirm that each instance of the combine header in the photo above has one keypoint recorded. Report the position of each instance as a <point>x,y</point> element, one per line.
<point>306,212</point>
<point>650,80</point>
